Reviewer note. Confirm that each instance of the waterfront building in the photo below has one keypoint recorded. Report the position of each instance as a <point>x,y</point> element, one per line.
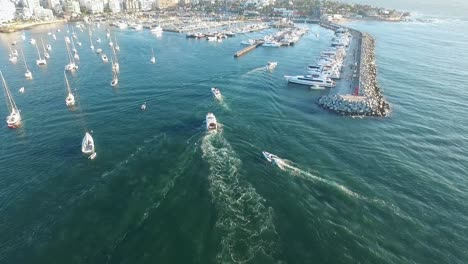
<point>72,6</point>
<point>131,6</point>
<point>8,11</point>
<point>163,4</point>
<point>114,6</point>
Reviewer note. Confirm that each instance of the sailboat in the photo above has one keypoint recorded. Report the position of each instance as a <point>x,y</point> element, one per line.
<point>28,73</point>
<point>115,62</point>
<point>71,66</point>
<point>46,54</point>
<point>87,146</point>
<point>115,79</point>
<point>12,57</point>
<point>40,61</point>
<point>14,119</point>
<point>153,59</point>
<point>70,100</point>
<point>91,40</point>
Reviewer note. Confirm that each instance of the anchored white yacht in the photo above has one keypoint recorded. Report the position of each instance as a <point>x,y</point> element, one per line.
<point>70,99</point>
<point>311,80</point>
<point>211,123</point>
<point>271,65</point>
<point>270,157</point>
<point>14,118</point>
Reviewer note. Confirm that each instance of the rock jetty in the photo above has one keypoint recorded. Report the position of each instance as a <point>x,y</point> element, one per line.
<point>369,101</point>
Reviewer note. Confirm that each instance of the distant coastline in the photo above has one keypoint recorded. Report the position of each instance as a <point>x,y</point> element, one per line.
<point>17,26</point>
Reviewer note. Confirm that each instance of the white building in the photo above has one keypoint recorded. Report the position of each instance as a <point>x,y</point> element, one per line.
<point>43,13</point>
<point>8,11</point>
<point>72,6</point>
<point>95,6</point>
<point>146,5</point>
<point>114,6</point>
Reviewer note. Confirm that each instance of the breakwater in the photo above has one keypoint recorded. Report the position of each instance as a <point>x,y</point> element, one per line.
<point>367,99</point>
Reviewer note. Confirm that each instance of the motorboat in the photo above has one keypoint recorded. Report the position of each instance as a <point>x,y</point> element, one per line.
<point>87,146</point>
<point>21,90</point>
<point>14,118</point>
<point>271,65</point>
<point>248,42</point>
<point>104,58</point>
<point>311,80</point>
<point>270,157</point>
<point>143,106</point>
<point>211,123</point>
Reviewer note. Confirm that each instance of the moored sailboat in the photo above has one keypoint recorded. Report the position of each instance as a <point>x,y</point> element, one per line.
<point>71,66</point>
<point>87,146</point>
<point>70,99</point>
<point>153,59</point>
<point>14,118</point>
<point>28,73</point>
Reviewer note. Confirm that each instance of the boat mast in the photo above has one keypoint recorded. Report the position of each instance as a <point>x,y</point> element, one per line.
<point>11,103</point>
<point>43,47</point>
<point>24,59</point>
<point>70,57</point>
<point>66,82</point>
<point>38,53</point>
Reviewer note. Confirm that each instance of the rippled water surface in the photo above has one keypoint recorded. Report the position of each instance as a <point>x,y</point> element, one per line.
<point>162,190</point>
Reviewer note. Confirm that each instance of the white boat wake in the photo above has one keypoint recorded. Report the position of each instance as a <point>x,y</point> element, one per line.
<point>244,223</point>
<point>288,166</point>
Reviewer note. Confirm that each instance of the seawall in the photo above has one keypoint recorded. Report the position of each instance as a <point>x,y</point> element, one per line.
<point>367,98</point>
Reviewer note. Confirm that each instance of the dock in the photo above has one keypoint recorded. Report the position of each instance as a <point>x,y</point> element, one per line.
<point>248,49</point>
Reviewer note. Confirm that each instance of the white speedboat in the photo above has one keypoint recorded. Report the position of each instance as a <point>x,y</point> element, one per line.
<point>143,106</point>
<point>216,93</point>
<point>270,157</point>
<point>211,123</point>
<point>104,58</point>
<point>271,65</point>
<point>87,146</point>
<point>311,80</point>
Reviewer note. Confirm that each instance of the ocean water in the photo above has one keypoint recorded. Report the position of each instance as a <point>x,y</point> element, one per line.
<point>162,190</point>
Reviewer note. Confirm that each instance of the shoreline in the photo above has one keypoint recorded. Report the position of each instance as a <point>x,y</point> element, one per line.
<point>18,27</point>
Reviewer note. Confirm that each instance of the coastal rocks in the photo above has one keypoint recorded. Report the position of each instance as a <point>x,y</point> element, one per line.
<point>370,101</point>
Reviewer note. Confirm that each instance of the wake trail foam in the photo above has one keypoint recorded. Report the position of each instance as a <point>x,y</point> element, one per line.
<point>287,166</point>
<point>244,222</point>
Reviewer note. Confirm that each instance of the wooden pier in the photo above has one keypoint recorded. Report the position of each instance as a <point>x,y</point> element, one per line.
<point>247,49</point>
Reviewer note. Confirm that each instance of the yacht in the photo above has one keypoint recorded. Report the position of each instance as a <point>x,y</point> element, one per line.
<point>311,80</point>
<point>40,61</point>
<point>248,42</point>
<point>271,65</point>
<point>28,73</point>
<point>270,157</point>
<point>271,43</point>
<point>211,123</point>
<point>87,146</point>
<point>14,118</point>
<point>104,58</point>
<point>216,93</point>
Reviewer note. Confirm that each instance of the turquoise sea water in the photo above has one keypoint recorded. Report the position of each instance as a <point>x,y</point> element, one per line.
<point>162,190</point>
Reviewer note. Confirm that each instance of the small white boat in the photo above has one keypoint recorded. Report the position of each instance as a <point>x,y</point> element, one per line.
<point>53,36</point>
<point>79,43</point>
<point>49,47</point>
<point>117,47</point>
<point>115,81</point>
<point>211,123</point>
<point>21,90</point>
<point>91,47</point>
<point>32,41</point>
<point>87,146</point>
<point>115,67</point>
<point>216,93</point>
<point>76,56</point>
<point>311,80</point>
<point>214,38</point>
<point>270,157</point>
<point>143,106</point>
<point>248,42</point>
<point>104,58</point>
<point>99,51</point>
<point>67,39</point>
<point>13,59</point>
<point>111,44</point>
<point>98,40</point>
<point>46,55</point>
<point>271,65</point>
<point>14,52</point>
